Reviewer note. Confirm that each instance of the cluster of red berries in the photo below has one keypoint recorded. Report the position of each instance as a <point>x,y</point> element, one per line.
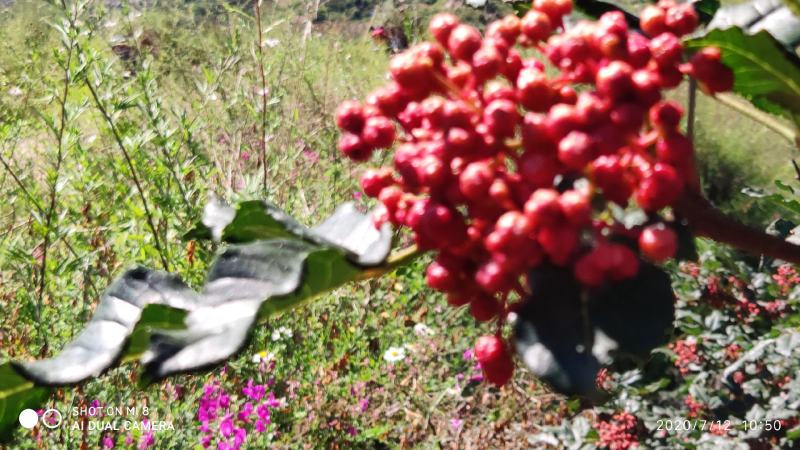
<point>687,354</point>
<point>618,433</point>
<point>500,166</point>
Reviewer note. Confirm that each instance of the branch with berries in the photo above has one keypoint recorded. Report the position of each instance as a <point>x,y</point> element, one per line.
<point>512,149</point>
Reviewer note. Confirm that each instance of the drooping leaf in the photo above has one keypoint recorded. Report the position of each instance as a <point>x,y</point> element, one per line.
<point>551,334</point>
<point>564,334</point>
<point>155,315</point>
<point>637,313</point>
<point>104,337</point>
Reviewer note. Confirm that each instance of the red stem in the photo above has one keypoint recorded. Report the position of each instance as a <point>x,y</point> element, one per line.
<point>707,221</point>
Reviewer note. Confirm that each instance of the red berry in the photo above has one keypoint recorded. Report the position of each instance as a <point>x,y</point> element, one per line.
<point>555,9</point>
<point>614,80</point>
<point>588,270</point>
<point>489,349</point>
<point>502,117</point>
<point>543,208</point>
<point>538,168</point>
<point>441,278</point>
<point>660,188</point>
<point>507,29</point>
<point>658,243</point>
<point>666,49</point>
<point>682,19</point>
<point>375,180</point>
<point>492,278</point>
<point>378,132</point>
<point>576,208</point>
<point>354,147</point>
<point>533,91</point>
<point>536,26</point>
<point>441,26</point>
<point>653,20</point>
<point>350,116</point>
<point>675,149</point>
<point>457,299</point>
<point>476,179</point>
<point>463,42</point>
<point>576,150</point>
<point>484,307</point>
<point>609,174</point>
<point>666,116</point>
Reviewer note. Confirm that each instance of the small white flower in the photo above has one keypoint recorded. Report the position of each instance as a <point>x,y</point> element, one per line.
<point>423,330</point>
<point>263,356</point>
<point>271,43</point>
<point>110,23</point>
<point>281,332</point>
<point>512,318</point>
<point>394,354</point>
<point>15,91</point>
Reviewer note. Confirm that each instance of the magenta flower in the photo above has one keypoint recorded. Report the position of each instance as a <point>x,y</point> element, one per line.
<point>468,355</point>
<point>245,412</point>
<point>239,436</point>
<point>147,440</point>
<point>226,426</point>
<point>254,392</point>
<point>108,441</point>
<point>363,405</point>
<point>456,423</point>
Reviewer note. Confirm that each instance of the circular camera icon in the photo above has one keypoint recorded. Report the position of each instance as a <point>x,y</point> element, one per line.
<point>28,419</point>
<point>52,418</point>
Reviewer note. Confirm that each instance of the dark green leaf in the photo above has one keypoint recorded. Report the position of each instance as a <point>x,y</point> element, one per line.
<point>706,9</point>
<point>521,8</point>
<point>564,334</point>
<point>16,393</point>
<point>637,313</point>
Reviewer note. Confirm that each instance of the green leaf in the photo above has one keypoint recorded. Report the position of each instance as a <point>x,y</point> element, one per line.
<point>156,316</point>
<point>763,72</point>
<point>16,394</point>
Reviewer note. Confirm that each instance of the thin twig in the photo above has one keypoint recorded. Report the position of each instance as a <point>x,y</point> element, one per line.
<point>263,93</point>
<point>691,106</point>
<point>132,168</point>
<point>759,116</point>
<point>54,188</point>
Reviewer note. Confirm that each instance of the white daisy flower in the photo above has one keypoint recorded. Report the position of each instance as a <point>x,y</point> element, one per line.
<point>281,332</point>
<point>423,330</point>
<point>263,356</point>
<point>394,354</point>
<point>15,91</point>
